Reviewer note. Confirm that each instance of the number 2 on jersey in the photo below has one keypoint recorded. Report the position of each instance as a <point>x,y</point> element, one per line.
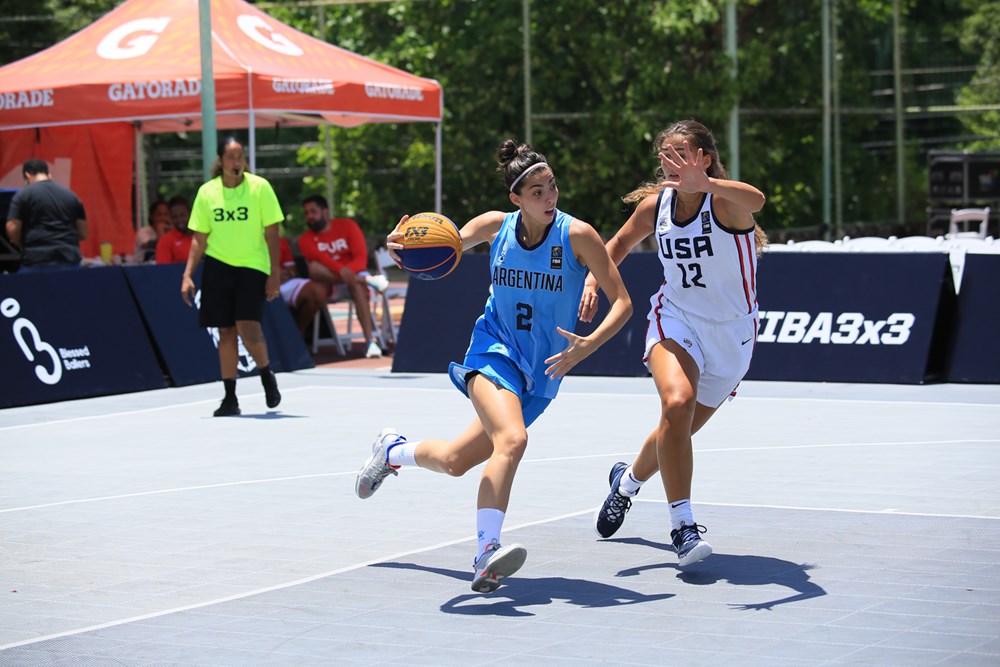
<point>524,313</point>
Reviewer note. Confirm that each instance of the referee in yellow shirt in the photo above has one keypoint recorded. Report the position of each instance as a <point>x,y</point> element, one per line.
<point>235,220</point>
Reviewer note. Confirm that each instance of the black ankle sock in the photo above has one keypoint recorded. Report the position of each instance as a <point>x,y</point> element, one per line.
<point>230,385</point>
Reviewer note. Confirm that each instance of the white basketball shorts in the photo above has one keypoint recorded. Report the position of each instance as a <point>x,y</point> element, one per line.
<point>722,350</point>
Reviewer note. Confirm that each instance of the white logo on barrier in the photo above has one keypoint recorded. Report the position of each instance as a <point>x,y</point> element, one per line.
<point>255,27</point>
<point>245,360</point>
<point>846,329</point>
<point>115,47</point>
<point>31,343</point>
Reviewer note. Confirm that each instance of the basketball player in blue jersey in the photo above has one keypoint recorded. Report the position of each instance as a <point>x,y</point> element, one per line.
<point>521,347</point>
<point>702,320</point>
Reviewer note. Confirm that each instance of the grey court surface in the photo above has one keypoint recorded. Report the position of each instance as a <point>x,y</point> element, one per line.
<point>852,524</point>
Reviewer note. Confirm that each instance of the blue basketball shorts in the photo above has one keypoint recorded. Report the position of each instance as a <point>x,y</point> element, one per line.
<point>503,372</point>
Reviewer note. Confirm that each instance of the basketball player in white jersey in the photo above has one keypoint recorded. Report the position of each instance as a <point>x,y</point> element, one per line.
<point>702,320</point>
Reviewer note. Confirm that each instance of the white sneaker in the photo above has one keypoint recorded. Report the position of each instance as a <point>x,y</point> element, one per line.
<point>378,282</point>
<point>377,467</point>
<point>495,564</point>
<point>373,351</point>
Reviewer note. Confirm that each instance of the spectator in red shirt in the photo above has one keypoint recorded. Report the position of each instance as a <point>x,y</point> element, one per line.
<point>305,297</point>
<point>338,257</point>
<point>174,245</point>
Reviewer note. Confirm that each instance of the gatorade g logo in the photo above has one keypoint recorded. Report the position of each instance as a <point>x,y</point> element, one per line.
<point>32,346</point>
<point>132,39</point>
<point>825,328</point>
<point>257,29</point>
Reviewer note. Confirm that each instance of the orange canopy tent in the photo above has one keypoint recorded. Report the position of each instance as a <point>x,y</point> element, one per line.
<point>141,64</point>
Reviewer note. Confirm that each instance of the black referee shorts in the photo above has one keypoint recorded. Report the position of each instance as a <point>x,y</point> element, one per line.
<point>230,293</point>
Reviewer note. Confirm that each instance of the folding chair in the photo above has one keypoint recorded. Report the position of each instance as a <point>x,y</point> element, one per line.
<point>389,330</point>
<point>966,217</point>
<point>323,317</point>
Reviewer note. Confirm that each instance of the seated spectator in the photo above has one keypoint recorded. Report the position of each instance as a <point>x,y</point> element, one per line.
<point>338,257</point>
<point>305,297</point>
<point>173,246</point>
<point>146,237</point>
<point>46,221</point>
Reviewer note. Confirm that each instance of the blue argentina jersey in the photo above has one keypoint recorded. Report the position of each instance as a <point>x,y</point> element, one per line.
<point>533,291</point>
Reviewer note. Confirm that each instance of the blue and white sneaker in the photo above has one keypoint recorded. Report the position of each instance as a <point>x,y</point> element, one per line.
<point>496,563</point>
<point>688,544</point>
<point>611,515</point>
<point>377,467</point>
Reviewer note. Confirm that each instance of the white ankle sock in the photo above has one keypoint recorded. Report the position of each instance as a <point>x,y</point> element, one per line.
<point>488,524</point>
<point>403,454</point>
<point>629,485</point>
<point>680,513</point>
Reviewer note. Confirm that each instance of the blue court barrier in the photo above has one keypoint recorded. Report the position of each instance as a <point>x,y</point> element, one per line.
<point>852,317</point>
<point>72,334</point>
<point>189,353</point>
<point>864,317</point>
<point>974,354</point>
<point>439,315</point>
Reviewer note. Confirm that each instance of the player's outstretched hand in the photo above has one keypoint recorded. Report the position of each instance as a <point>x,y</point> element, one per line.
<point>564,361</point>
<point>684,172</point>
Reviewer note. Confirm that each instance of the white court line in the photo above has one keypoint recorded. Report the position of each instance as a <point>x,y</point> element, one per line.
<point>175,490</point>
<point>540,460</point>
<point>275,587</point>
<point>396,556</point>
<point>628,396</point>
<point>891,512</point>
<point>137,411</point>
<point>781,448</point>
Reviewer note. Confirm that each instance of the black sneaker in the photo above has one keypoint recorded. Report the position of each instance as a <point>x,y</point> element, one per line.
<point>688,544</point>
<point>271,394</point>
<point>230,408</point>
<point>611,515</point>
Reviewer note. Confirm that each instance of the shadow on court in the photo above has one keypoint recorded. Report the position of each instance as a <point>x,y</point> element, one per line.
<point>526,592</point>
<point>264,415</point>
<point>738,571</point>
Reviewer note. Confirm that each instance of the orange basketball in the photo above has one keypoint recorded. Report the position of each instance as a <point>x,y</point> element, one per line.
<point>432,246</point>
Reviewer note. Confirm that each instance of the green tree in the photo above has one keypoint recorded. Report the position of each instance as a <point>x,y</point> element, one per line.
<point>980,35</point>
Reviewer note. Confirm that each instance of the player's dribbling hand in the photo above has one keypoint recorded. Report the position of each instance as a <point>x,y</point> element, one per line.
<point>564,361</point>
<point>392,241</point>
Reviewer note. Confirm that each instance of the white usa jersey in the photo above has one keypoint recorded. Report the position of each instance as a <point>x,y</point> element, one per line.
<point>708,271</point>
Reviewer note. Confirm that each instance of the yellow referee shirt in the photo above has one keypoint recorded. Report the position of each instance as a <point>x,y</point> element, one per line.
<point>235,218</point>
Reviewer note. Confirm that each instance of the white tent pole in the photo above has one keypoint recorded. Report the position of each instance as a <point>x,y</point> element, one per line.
<point>328,149</point>
<point>437,167</point>
<point>327,139</point>
<point>140,176</point>
<point>253,142</point>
